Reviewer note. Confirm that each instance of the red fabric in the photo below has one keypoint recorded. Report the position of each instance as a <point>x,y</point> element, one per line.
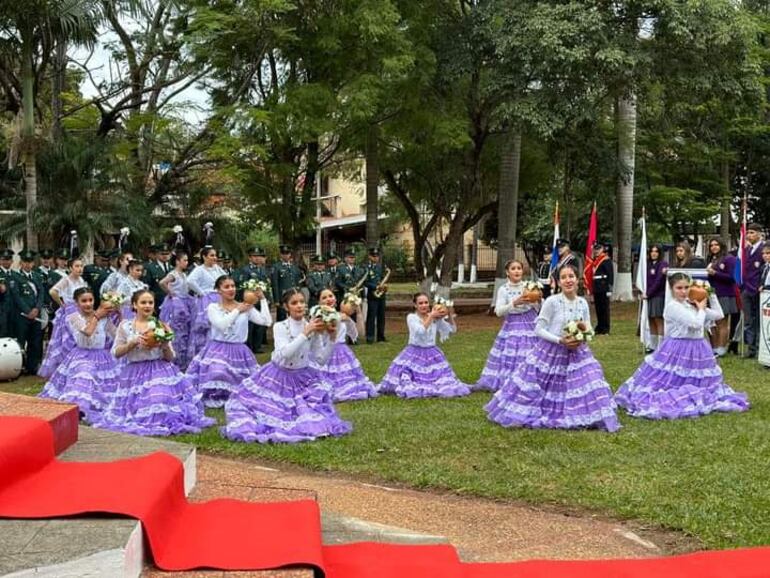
<point>233,535</point>
<point>588,267</point>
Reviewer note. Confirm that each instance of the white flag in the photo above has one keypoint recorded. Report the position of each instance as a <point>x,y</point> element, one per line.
<point>641,285</point>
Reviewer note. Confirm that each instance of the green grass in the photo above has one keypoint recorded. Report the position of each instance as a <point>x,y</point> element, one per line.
<point>707,477</point>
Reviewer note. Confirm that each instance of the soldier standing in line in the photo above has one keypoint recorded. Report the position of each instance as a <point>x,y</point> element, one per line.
<point>27,293</point>
<point>256,270</point>
<point>566,257</point>
<point>157,269</point>
<point>332,267</point>
<point>7,326</point>
<point>348,274</point>
<point>96,274</point>
<point>43,273</point>
<point>286,275</point>
<point>375,282</point>
<point>318,280</point>
<point>604,277</point>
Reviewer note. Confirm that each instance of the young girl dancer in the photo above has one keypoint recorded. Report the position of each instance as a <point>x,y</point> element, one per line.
<point>178,307</point>
<point>89,371</point>
<point>225,361</point>
<point>62,339</point>
<point>720,269</point>
<point>115,278</point>
<point>130,285</point>
<point>421,370</point>
<point>656,294</point>
<point>560,384</point>
<point>201,280</point>
<point>343,370</point>
<point>286,400</point>
<point>153,397</point>
<point>517,336</point>
<point>681,379</point>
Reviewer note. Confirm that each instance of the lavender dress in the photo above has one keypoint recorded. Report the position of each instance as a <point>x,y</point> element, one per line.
<point>177,310</point>
<point>681,378</point>
<point>153,397</point>
<point>201,282</point>
<point>343,370</point>
<point>88,376</point>
<point>556,387</point>
<point>225,361</point>
<point>127,287</point>
<point>286,400</point>
<point>516,337</point>
<point>421,370</point>
<point>62,339</point>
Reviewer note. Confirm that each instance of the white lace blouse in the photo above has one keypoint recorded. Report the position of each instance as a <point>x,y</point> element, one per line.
<point>66,287</point>
<point>506,295</point>
<point>113,281</point>
<point>422,336</point>
<point>202,279</point>
<point>557,311</point>
<point>126,334</point>
<point>98,338</point>
<point>293,350</point>
<point>233,326</point>
<point>347,328</point>
<point>685,321</point>
<point>128,286</point>
<point>178,285</point>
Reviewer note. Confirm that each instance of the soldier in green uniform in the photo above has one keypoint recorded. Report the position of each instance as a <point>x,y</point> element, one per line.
<point>332,267</point>
<point>226,262</point>
<point>43,273</point>
<point>348,275</point>
<point>7,328</point>
<point>96,274</point>
<point>375,314</point>
<point>257,271</point>
<point>318,279</point>
<point>27,294</point>
<point>286,275</point>
<point>156,270</point>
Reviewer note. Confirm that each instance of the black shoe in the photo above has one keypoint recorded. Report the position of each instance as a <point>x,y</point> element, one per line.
<point>382,340</point>
<point>733,348</point>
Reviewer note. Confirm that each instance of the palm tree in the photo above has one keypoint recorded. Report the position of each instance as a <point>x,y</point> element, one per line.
<point>32,30</point>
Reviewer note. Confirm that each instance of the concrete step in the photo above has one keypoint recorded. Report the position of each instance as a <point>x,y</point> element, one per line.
<point>63,417</point>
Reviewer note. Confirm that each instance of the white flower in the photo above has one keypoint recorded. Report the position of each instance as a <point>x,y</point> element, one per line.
<point>125,231</point>
<point>151,325</point>
<point>177,229</point>
<point>572,326</point>
<point>579,336</point>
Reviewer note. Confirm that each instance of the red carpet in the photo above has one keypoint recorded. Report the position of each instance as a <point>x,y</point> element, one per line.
<point>233,535</point>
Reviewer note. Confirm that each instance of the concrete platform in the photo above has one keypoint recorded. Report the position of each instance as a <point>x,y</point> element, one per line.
<point>92,547</point>
<point>63,417</point>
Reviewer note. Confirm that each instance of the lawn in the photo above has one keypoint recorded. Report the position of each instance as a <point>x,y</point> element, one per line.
<point>706,477</point>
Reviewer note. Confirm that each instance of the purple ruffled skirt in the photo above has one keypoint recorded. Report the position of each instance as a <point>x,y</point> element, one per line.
<point>177,312</point>
<point>344,373</point>
<point>422,372</point>
<point>512,344</point>
<point>555,387</point>
<point>154,398</point>
<point>61,343</point>
<point>680,379</point>
<point>200,325</point>
<point>219,369</point>
<point>282,405</point>
<point>87,378</point>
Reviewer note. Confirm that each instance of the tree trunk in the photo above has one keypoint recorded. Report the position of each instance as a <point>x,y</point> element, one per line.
<point>57,87</point>
<point>508,201</point>
<point>625,123</point>
<point>450,244</point>
<point>372,186</point>
<point>28,145</point>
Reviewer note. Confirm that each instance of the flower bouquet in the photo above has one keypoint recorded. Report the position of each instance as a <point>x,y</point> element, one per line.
<point>533,291</point>
<point>579,331</point>
<point>329,315</point>
<point>113,300</point>
<point>157,333</point>
<point>699,290</point>
<point>250,289</point>
<point>350,303</point>
<point>442,305</point>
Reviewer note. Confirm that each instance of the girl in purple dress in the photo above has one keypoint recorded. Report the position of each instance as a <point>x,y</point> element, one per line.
<point>286,400</point>
<point>225,361</point>
<point>421,369</point>
<point>657,269</point>
<point>130,285</point>
<point>153,397</point>
<point>62,339</point>
<point>517,335</point>
<point>560,384</point>
<point>343,370</point>
<point>201,282</point>
<point>114,279</point>
<point>720,269</point>
<point>682,378</point>
<point>89,371</point>
<point>178,307</point>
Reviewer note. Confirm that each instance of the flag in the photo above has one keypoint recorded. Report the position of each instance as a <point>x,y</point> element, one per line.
<point>641,285</point>
<point>554,249</point>
<point>739,271</point>
<point>588,268</point>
